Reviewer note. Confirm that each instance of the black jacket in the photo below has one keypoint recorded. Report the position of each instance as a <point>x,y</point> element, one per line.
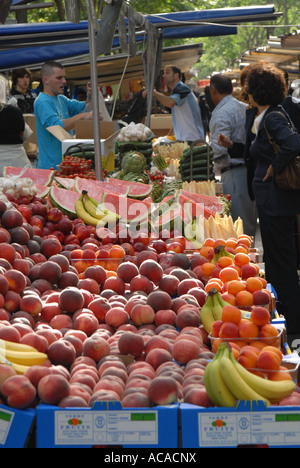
<point>276,202</point>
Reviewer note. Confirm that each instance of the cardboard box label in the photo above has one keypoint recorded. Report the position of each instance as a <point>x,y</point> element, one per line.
<point>75,427</point>
<point>230,429</point>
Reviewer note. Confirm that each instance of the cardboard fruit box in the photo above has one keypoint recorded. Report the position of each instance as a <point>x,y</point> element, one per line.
<point>105,424</point>
<point>15,426</point>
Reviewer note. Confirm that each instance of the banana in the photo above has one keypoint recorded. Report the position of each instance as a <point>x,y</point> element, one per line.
<point>238,386</point>
<point>92,209</point>
<point>19,368</point>
<point>99,211</point>
<point>85,216</point>
<point>29,358</point>
<point>206,314</point>
<point>272,390</point>
<point>218,307</point>
<point>9,345</point>
<point>215,386</point>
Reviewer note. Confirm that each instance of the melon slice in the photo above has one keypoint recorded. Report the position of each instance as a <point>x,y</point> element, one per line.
<point>136,190</point>
<point>212,203</point>
<point>64,182</point>
<point>130,210</point>
<point>42,190</point>
<point>64,200</point>
<point>39,176</point>
<point>173,219</point>
<point>96,188</point>
<point>195,209</point>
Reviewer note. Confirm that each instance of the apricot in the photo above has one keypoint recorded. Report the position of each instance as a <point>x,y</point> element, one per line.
<point>248,330</point>
<point>253,284</point>
<point>281,374</point>
<point>244,299</point>
<point>230,298</point>
<point>241,258</point>
<point>260,316</point>
<point>229,330</point>
<point>248,358</point>
<point>231,314</point>
<point>224,261</point>
<point>235,286</point>
<point>269,334</point>
<point>268,360</point>
<point>228,274</point>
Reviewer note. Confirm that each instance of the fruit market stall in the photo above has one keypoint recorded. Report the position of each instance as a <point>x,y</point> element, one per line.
<point>110,304</point>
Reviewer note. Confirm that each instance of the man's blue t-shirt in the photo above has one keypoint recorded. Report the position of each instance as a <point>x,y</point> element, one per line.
<point>186,114</point>
<point>49,111</point>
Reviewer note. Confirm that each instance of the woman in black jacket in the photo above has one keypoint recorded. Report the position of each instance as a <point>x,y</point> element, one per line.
<point>277,209</point>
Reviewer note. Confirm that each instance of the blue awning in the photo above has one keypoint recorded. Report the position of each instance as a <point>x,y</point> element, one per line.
<point>33,43</point>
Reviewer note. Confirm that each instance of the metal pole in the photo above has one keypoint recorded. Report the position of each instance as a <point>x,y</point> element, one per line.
<point>95,99</point>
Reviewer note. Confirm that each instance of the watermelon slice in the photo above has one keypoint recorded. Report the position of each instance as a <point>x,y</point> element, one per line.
<point>130,210</point>
<point>42,190</point>
<point>136,190</point>
<point>64,200</point>
<point>193,208</point>
<point>173,219</point>
<point>212,203</point>
<point>96,188</point>
<point>39,176</point>
<point>64,182</point>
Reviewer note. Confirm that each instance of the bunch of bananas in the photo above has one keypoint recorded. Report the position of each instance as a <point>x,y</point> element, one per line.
<point>221,251</point>
<point>211,310</point>
<point>92,212</point>
<point>20,356</point>
<point>226,382</point>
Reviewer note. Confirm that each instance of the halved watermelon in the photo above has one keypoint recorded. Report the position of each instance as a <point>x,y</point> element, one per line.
<point>136,190</point>
<point>212,203</point>
<point>173,219</point>
<point>96,188</point>
<point>193,208</point>
<point>128,209</point>
<point>42,190</point>
<point>39,176</point>
<point>64,200</point>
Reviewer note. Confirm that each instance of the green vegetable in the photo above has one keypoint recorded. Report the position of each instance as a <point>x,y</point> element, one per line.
<point>133,161</point>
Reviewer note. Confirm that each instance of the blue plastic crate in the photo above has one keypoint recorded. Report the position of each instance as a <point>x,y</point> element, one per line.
<point>15,426</point>
<point>249,424</point>
<point>105,424</point>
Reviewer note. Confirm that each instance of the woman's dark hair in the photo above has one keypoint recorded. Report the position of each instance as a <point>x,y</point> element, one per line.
<point>266,84</point>
<point>19,73</point>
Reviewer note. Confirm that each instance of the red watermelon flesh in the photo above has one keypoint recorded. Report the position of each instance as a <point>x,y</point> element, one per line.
<point>135,189</point>
<point>64,199</point>
<point>174,218</point>
<point>42,190</point>
<point>39,176</point>
<point>65,182</point>
<point>212,203</point>
<point>96,188</point>
<point>130,210</point>
<point>195,209</point>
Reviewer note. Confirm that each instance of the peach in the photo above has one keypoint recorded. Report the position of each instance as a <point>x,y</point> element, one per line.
<point>36,373</point>
<point>61,352</point>
<point>17,280</point>
<point>260,316</point>
<point>116,316</point>
<point>115,283</point>
<point>71,299</point>
<point>38,342</point>
<point>165,316</point>
<point>110,384</point>
<point>50,310</point>
<point>157,341</point>
<point>95,347</point>
<point>187,317</point>
<point>261,297</point>
<point>99,306</point>
<point>184,350</point>
<point>131,343</point>
<point>142,314</point>
<point>51,246</point>
<point>32,304</point>
<point>61,322</point>
<point>198,396</point>
<point>159,300</point>
<point>10,333</point>
<point>6,371</point>
<point>127,271</point>
<point>78,390</point>
<point>73,401</point>
<point>136,399</point>
<point>163,390</point>
<point>215,328</point>
<point>18,392</point>
<point>157,356</point>
<point>53,388</point>
<point>86,322</point>
<point>247,358</point>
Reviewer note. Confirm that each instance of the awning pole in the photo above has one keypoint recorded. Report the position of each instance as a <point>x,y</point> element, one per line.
<point>95,99</point>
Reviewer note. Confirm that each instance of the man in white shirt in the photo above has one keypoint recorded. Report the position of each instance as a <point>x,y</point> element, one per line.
<point>229,118</point>
<point>186,114</point>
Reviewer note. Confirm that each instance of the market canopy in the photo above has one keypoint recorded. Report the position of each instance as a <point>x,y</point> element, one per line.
<point>31,44</point>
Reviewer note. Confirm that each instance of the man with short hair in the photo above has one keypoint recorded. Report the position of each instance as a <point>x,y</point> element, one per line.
<point>186,114</point>
<point>229,119</point>
<point>52,108</point>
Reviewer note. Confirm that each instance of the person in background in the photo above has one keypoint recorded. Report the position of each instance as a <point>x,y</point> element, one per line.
<point>12,127</point>
<point>291,104</point>
<point>229,118</point>
<point>53,108</point>
<point>186,114</point>
<point>20,90</point>
<point>277,208</point>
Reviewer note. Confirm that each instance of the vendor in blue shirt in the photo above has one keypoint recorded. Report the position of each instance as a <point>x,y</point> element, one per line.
<point>52,107</point>
<point>186,114</point>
